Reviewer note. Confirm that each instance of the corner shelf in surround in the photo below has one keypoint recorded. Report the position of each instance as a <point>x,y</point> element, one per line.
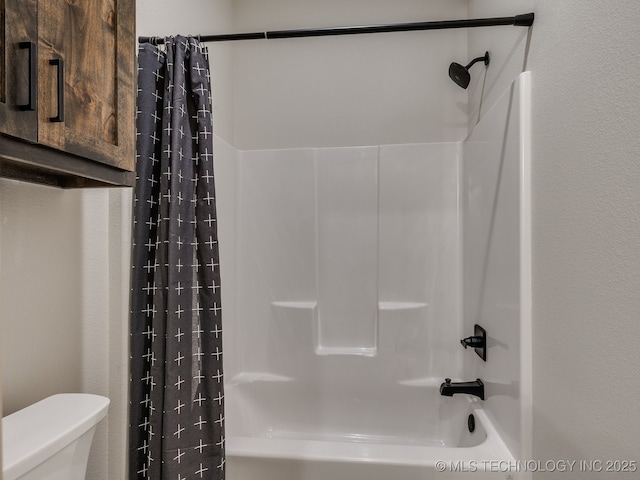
<point>297,322</point>
<point>250,377</point>
<point>394,306</point>
<point>297,305</point>
<point>361,351</point>
<point>312,304</point>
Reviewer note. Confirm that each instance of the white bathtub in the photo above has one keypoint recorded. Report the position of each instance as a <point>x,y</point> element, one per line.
<point>278,428</point>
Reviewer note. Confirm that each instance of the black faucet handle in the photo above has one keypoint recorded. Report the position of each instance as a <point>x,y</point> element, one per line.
<point>473,342</point>
<point>447,381</point>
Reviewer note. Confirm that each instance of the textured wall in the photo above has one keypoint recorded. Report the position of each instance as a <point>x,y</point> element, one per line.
<point>584,61</point>
<point>58,308</point>
<point>41,305</point>
<point>346,91</point>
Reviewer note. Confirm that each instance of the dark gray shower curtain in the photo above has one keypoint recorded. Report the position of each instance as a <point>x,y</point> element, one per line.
<point>176,426</point>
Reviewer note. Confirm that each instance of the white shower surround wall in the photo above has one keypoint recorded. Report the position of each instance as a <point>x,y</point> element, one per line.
<point>374,236</point>
<point>328,266</point>
<point>496,213</point>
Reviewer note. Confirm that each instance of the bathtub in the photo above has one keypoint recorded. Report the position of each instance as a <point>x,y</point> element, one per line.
<point>310,401</point>
<point>281,428</point>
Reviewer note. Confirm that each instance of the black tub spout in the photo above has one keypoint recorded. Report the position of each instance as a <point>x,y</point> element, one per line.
<point>449,389</point>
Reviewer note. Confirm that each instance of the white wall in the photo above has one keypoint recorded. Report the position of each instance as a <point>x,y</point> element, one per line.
<point>64,296</point>
<point>347,91</point>
<point>584,61</point>
<point>41,281</point>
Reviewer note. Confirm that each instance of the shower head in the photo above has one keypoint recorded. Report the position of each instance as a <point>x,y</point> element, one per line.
<point>460,74</point>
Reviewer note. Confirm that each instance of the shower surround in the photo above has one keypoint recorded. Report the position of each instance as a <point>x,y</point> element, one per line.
<point>349,252</point>
<point>359,269</point>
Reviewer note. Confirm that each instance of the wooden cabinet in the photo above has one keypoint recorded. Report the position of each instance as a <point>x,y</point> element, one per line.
<point>67,91</point>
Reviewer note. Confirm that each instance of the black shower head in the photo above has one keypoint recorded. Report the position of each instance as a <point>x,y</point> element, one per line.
<point>460,74</point>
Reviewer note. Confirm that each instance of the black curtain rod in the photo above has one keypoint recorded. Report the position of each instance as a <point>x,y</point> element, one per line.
<point>525,20</point>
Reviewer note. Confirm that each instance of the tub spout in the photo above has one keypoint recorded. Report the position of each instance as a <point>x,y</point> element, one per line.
<point>448,389</point>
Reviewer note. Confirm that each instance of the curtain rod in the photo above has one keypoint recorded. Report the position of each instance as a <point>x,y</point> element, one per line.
<point>525,20</point>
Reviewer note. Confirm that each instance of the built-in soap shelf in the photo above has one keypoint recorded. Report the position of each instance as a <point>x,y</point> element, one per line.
<point>312,305</point>
<point>361,351</point>
<point>298,324</point>
<point>394,306</point>
<point>250,377</point>
<point>296,305</point>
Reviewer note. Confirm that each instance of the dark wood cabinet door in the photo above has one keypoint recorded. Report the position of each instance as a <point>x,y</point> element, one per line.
<point>18,69</point>
<point>87,60</point>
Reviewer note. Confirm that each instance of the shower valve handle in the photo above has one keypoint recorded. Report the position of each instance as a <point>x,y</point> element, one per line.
<point>473,342</point>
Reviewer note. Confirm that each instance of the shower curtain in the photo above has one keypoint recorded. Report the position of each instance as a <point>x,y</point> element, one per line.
<point>176,420</point>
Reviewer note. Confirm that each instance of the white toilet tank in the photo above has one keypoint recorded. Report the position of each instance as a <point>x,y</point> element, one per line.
<point>51,439</point>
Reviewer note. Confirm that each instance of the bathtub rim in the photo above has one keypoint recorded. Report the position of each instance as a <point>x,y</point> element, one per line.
<point>492,448</point>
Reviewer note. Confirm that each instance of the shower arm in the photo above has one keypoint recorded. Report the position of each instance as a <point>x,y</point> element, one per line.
<point>524,20</point>
<point>484,58</point>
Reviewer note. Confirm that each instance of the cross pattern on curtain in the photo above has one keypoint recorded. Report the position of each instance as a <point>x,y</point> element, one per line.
<point>176,428</point>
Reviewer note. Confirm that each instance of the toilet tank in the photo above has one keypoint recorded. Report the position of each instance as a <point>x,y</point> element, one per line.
<point>51,439</point>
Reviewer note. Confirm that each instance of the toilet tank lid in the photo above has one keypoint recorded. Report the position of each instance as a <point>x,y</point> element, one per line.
<point>37,432</point>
